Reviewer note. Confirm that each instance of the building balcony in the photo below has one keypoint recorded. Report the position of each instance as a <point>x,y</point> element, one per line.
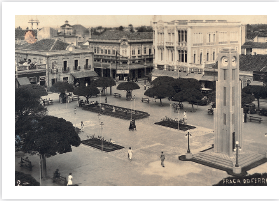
<point>197,44</point>
<point>182,44</point>
<point>31,67</point>
<point>76,68</point>
<point>224,42</point>
<point>170,44</point>
<point>87,67</point>
<point>210,43</point>
<point>233,41</point>
<point>65,70</point>
<point>54,71</point>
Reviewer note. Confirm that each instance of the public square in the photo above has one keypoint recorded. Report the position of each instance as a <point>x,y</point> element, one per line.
<point>93,167</point>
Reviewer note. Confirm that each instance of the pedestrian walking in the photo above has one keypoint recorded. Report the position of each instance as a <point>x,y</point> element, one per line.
<point>106,100</point>
<point>144,86</point>
<point>130,154</point>
<point>70,179</point>
<point>162,157</point>
<point>75,110</point>
<point>81,126</point>
<point>185,117</point>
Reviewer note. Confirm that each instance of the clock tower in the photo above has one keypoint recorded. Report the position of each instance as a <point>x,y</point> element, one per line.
<point>228,114</point>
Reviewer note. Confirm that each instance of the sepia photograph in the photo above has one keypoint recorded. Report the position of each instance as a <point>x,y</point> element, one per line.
<point>106,100</point>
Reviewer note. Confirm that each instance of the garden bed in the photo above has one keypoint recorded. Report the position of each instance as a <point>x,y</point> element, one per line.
<point>97,143</point>
<point>171,123</point>
<point>115,111</point>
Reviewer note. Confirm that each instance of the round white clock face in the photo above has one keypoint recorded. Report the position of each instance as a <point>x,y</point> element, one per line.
<point>225,61</point>
<point>234,61</point>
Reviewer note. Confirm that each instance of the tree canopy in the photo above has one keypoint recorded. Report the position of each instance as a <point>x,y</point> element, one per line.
<point>104,82</point>
<point>86,91</point>
<point>160,92</point>
<point>144,29</point>
<point>27,100</point>
<point>191,95</point>
<point>162,80</point>
<point>257,91</point>
<point>185,83</point>
<point>62,87</point>
<point>46,136</point>
<point>128,86</point>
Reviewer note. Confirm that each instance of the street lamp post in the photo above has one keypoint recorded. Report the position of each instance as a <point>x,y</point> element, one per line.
<point>188,135</point>
<point>237,168</point>
<point>189,155</point>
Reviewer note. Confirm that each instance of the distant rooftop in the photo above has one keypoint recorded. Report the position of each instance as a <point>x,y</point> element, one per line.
<point>45,45</point>
<point>118,35</point>
<point>254,45</point>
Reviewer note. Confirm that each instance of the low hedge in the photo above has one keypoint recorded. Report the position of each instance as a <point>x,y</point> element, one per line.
<point>25,179</point>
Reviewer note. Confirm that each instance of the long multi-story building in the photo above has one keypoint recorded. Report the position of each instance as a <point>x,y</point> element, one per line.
<point>48,61</point>
<point>122,53</point>
<point>189,48</point>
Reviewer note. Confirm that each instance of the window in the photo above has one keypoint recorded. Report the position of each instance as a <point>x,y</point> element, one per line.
<point>144,50</point>
<point>162,52</point>
<point>95,50</point>
<point>194,58</point>
<point>113,52</point>
<point>185,54</point>
<point>233,74</point>
<point>225,96</point>
<point>138,51</point>
<point>207,56</point>
<point>101,51</point>
<point>133,51</point>
<point>225,74</point>
<point>98,50</point>
<point>213,55</point>
<point>233,96</point>
<point>201,58</point>
<point>108,51</point>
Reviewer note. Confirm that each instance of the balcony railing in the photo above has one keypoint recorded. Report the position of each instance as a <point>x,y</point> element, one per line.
<point>169,44</point>
<point>54,71</point>
<point>87,67</point>
<point>184,43</point>
<point>76,68</point>
<point>65,70</point>
<point>31,67</point>
<point>212,43</point>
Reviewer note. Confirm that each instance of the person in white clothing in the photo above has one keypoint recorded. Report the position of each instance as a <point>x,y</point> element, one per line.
<point>70,179</point>
<point>130,154</point>
<point>185,117</point>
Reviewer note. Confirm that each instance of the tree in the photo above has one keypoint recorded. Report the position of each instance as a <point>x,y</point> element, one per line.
<point>27,100</point>
<point>104,82</point>
<point>86,91</point>
<point>191,95</point>
<point>257,91</point>
<point>162,80</point>
<point>62,88</point>
<point>131,28</point>
<point>129,87</point>
<point>144,29</point>
<point>185,83</point>
<point>246,98</point>
<point>121,28</point>
<point>46,136</point>
<point>160,91</point>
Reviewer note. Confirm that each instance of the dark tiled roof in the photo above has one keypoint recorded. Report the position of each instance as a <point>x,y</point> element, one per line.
<point>254,45</point>
<point>250,63</point>
<point>117,35</point>
<point>252,35</point>
<point>64,25</point>
<point>47,45</point>
<point>20,34</point>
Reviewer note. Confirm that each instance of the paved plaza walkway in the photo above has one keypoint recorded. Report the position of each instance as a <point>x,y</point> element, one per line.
<point>92,167</point>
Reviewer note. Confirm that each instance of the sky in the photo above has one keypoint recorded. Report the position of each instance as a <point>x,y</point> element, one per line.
<point>56,21</point>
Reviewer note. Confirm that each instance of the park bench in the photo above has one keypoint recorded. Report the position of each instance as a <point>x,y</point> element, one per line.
<point>252,118</point>
<point>117,95</point>
<point>146,100</point>
<point>25,163</point>
<point>75,97</point>
<point>60,180</point>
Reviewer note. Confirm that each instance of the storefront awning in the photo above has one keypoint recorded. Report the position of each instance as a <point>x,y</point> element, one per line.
<point>85,74</point>
<point>23,81</point>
